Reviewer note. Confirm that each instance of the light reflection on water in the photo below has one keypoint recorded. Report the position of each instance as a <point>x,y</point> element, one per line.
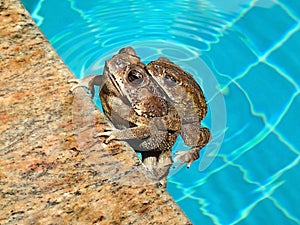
<point>243,52</point>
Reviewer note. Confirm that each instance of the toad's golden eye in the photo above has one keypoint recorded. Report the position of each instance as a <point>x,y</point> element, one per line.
<point>135,77</point>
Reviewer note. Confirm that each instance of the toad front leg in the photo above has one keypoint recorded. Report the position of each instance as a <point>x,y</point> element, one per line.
<point>150,137</point>
<point>87,82</point>
<point>197,139</point>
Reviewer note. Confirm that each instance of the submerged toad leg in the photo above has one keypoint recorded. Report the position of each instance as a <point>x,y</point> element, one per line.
<point>197,139</point>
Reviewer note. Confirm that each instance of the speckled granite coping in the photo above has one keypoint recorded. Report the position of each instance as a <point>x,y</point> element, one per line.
<point>52,170</point>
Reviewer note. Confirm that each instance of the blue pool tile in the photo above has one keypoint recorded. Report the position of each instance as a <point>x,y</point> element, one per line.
<point>292,5</point>
<point>265,159</point>
<point>242,126</point>
<point>231,55</point>
<point>262,84</point>
<point>290,123</point>
<point>263,212</point>
<point>193,210</point>
<point>226,193</point>
<point>286,58</point>
<point>263,29</point>
<point>289,190</point>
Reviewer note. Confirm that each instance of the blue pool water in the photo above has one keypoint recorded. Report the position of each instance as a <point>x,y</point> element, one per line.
<point>245,55</point>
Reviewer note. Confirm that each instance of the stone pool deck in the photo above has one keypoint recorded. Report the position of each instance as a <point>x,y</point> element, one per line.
<point>52,170</point>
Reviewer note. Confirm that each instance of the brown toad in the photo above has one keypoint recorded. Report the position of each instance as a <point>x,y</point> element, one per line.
<point>136,106</point>
<point>189,101</point>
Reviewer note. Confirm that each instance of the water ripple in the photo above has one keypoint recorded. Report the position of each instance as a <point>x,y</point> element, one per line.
<point>141,20</point>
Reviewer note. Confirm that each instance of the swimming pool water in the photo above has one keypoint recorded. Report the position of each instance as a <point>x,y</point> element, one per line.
<point>245,55</point>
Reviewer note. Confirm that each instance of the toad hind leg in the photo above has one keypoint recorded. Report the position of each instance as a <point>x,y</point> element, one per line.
<point>158,163</point>
<point>191,155</point>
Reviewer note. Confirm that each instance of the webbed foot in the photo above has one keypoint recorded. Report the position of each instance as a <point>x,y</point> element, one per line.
<point>87,82</point>
<point>110,133</point>
<point>187,157</point>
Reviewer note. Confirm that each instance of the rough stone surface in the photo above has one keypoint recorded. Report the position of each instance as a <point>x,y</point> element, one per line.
<point>52,170</point>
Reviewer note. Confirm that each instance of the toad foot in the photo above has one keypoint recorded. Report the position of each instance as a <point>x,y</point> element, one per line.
<point>187,157</point>
<point>87,82</point>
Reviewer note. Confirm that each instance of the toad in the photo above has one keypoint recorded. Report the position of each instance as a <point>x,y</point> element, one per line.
<point>136,106</point>
<point>189,101</point>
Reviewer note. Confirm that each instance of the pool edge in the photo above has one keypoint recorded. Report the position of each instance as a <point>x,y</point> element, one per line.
<point>52,170</point>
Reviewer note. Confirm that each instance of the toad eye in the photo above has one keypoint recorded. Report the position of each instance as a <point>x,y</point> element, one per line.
<point>170,80</point>
<point>135,77</point>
